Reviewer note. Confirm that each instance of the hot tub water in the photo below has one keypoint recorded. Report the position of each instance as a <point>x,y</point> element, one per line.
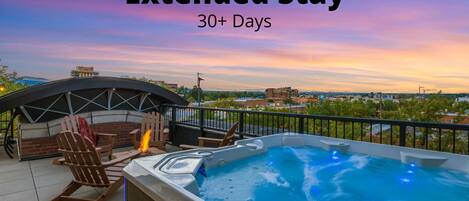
<point>308,173</point>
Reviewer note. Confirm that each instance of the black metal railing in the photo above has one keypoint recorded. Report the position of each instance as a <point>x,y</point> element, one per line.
<point>432,136</point>
<point>7,131</point>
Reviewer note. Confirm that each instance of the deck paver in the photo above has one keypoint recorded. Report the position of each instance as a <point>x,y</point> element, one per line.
<point>29,195</point>
<point>48,192</point>
<point>40,180</point>
<point>17,185</point>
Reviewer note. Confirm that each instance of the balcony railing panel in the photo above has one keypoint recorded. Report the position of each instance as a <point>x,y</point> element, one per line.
<point>432,136</point>
<point>7,132</point>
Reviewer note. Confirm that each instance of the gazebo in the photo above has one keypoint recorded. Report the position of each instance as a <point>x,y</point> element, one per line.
<point>110,104</point>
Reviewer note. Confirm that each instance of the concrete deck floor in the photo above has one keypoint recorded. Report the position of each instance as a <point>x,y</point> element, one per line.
<point>39,180</point>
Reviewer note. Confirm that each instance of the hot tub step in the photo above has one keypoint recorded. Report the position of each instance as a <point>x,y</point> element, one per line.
<point>335,145</point>
<point>423,160</point>
<point>182,165</point>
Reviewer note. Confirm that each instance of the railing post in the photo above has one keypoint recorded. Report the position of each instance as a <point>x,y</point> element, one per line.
<point>172,123</point>
<point>241,125</point>
<point>301,125</point>
<point>402,132</point>
<point>8,139</point>
<point>173,114</point>
<point>202,121</point>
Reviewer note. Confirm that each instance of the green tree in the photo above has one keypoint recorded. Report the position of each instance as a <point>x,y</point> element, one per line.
<point>433,108</point>
<point>462,109</point>
<point>389,105</point>
<point>195,93</point>
<point>7,82</point>
<point>226,103</point>
<point>288,101</point>
<point>356,108</point>
<point>214,95</point>
<point>182,90</point>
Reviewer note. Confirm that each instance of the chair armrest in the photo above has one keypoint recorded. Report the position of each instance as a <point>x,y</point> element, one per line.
<point>106,137</point>
<point>210,139</point>
<point>134,132</point>
<point>203,140</point>
<point>104,148</point>
<point>99,149</point>
<point>58,161</point>
<point>105,134</point>
<point>186,146</point>
<point>133,137</point>
<point>121,157</point>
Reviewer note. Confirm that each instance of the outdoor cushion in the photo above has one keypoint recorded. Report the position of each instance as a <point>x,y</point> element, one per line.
<point>85,130</point>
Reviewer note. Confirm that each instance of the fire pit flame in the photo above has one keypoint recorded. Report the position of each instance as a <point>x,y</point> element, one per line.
<point>145,142</point>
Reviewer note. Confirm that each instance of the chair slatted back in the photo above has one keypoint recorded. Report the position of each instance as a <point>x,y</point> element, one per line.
<point>70,123</point>
<point>81,157</point>
<point>155,122</point>
<point>230,137</point>
<point>78,124</point>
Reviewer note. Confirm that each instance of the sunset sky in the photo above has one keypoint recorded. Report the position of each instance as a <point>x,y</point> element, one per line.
<point>364,46</point>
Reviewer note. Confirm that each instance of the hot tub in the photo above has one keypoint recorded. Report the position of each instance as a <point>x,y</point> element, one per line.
<point>295,167</point>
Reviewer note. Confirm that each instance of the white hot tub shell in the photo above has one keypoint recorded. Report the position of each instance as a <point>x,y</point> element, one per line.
<point>172,176</point>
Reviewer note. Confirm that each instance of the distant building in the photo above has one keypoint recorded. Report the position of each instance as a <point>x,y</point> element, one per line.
<point>254,103</point>
<point>451,119</point>
<point>171,86</point>
<point>463,99</point>
<point>31,81</point>
<point>84,71</point>
<point>281,93</point>
<point>305,100</point>
<point>381,96</point>
<point>343,98</point>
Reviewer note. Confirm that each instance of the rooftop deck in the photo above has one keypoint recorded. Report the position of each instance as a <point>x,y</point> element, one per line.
<point>40,180</point>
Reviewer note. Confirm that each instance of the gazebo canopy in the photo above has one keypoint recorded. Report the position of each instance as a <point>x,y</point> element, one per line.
<point>55,99</point>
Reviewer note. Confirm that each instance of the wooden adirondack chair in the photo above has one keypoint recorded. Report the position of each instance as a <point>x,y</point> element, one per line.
<point>85,164</point>
<point>158,139</point>
<point>71,123</point>
<point>229,139</point>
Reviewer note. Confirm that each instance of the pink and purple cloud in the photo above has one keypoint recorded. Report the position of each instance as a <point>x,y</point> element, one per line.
<point>363,46</point>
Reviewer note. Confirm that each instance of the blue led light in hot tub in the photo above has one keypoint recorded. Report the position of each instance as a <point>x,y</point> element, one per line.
<point>405,180</point>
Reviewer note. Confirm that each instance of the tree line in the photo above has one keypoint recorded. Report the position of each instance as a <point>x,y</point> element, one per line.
<point>429,109</point>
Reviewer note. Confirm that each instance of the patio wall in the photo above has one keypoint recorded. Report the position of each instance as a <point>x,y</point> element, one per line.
<point>38,140</point>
